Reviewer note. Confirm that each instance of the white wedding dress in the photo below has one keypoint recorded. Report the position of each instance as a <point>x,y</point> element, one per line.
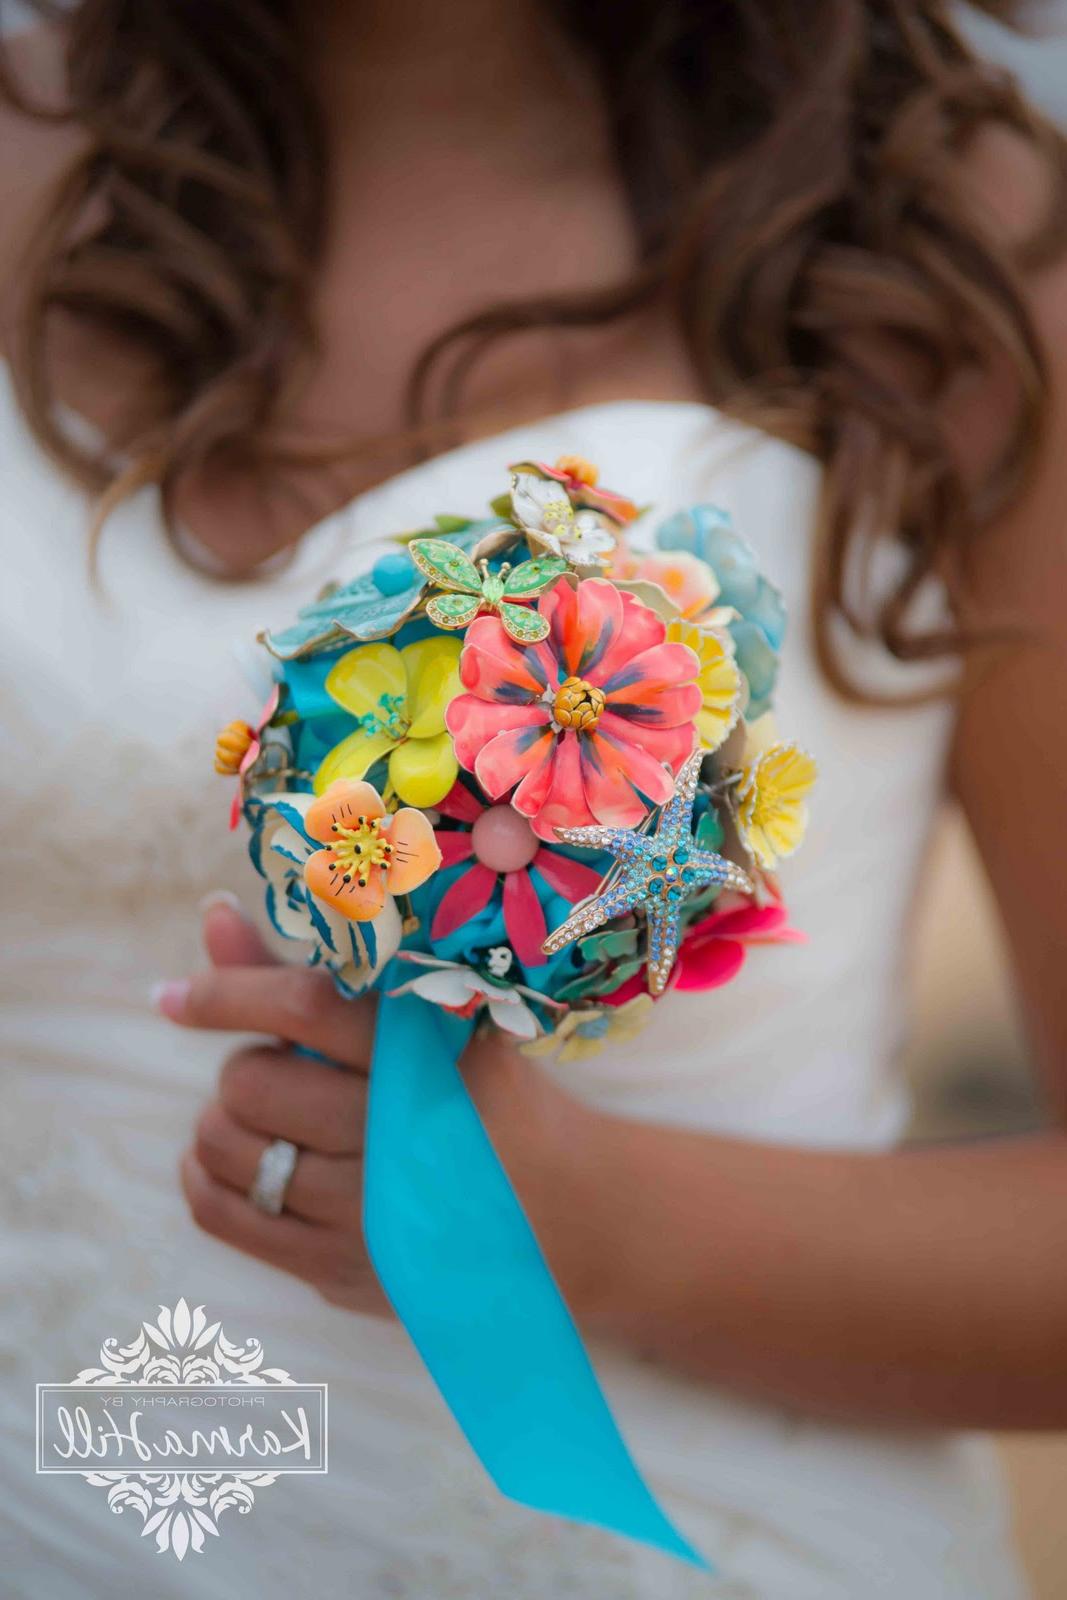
<point>114,827</point>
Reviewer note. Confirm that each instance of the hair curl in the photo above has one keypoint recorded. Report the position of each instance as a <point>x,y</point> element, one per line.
<point>794,169</point>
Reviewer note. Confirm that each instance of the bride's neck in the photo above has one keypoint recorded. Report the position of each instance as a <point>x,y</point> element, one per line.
<point>469,162</point>
<point>482,77</point>
<point>478,73</point>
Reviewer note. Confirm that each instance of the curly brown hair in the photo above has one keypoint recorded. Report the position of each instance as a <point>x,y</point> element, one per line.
<point>795,173</point>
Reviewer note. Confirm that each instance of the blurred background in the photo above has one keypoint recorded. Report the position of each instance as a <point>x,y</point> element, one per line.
<point>968,1057</point>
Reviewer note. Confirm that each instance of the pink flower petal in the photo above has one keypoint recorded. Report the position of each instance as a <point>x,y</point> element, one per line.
<point>524,919</point>
<point>640,630</point>
<point>600,624</point>
<point>610,772</point>
<point>740,922</point>
<point>658,686</point>
<point>495,668</point>
<point>668,746</point>
<point>460,804</point>
<point>618,749</point>
<point>250,757</point>
<point>585,622</point>
<point>454,847</point>
<point>559,607</point>
<point>572,879</point>
<point>532,792</point>
<point>565,805</point>
<point>510,755</point>
<point>766,924</point>
<point>463,900</point>
<point>473,722</point>
<point>270,707</point>
<point>710,965</point>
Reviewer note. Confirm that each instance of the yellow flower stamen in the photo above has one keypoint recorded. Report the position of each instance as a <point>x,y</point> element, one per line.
<point>577,705</point>
<point>356,850</point>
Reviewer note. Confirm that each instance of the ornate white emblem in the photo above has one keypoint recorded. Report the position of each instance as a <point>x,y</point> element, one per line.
<point>185,1352</point>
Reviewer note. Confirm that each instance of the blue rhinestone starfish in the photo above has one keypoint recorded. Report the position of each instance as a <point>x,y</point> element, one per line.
<point>653,873</point>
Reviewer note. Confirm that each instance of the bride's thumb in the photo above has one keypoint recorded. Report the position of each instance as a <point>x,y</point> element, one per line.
<point>229,938</point>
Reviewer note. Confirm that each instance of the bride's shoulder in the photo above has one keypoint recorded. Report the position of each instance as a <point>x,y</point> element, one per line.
<point>1016,192</point>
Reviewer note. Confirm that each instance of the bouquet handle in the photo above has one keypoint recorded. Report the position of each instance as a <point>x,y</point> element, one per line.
<point>459,1262</point>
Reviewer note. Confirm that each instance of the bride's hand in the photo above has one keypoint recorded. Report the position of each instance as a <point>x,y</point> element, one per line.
<point>268,1091</point>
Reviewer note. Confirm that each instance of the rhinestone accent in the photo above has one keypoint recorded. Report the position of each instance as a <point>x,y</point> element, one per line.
<point>645,877</point>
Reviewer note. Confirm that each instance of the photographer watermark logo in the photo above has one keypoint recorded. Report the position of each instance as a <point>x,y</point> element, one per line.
<point>181,1425</point>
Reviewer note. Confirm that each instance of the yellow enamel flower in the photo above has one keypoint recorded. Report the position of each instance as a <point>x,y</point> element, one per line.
<point>398,698</point>
<point>584,1031</point>
<point>771,794</point>
<point>719,681</point>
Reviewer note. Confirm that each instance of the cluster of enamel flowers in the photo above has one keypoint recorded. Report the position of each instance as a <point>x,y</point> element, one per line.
<point>528,766</point>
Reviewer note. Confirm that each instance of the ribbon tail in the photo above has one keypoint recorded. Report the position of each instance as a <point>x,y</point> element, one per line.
<point>459,1262</point>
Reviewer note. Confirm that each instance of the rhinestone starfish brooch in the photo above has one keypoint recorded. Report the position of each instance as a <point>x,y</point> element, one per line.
<point>653,873</point>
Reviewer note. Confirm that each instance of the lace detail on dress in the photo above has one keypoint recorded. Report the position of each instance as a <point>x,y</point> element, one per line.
<point>99,817</point>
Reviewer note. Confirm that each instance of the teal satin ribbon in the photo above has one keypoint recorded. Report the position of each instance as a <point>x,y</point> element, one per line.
<point>461,1267</point>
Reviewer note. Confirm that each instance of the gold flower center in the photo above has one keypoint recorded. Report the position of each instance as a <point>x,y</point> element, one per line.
<point>231,747</point>
<point>356,850</point>
<point>578,705</point>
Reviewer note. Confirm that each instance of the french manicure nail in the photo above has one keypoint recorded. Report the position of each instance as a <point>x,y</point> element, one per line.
<point>170,996</point>
<point>219,897</point>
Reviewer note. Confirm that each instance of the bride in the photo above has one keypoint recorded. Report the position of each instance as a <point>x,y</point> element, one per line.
<point>282,280</point>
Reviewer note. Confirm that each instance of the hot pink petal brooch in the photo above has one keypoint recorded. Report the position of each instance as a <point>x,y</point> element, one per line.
<point>592,724</point>
<point>713,951</point>
<point>502,847</point>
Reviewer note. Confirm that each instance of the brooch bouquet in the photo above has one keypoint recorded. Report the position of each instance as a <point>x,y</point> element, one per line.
<point>523,774</point>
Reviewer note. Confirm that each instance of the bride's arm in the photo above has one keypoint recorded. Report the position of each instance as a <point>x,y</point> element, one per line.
<point>917,1286</point>
<point>920,1285</point>
<point>925,1285</point>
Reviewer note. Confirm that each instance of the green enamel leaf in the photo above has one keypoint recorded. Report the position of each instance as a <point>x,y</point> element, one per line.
<point>453,610</point>
<point>583,984</point>
<point>445,564</point>
<point>612,943</point>
<point>452,524</point>
<point>709,834</point>
<point>501,507</point>
<point>700,904</point>
<point>531,578</point>
<point>525,627</point>
<point>623,971</point>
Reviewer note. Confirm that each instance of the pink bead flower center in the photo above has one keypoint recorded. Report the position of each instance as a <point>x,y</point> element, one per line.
<point>503,841</point>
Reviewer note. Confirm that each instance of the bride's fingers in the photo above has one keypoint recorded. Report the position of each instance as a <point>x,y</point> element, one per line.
<point>321,1255</point>
<point>229,938</point>
<point>292,1003</point>
<point>322,1189</point>
<point>285,1096</point>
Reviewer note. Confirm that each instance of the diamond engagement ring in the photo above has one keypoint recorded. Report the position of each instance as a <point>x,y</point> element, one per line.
<point>273,1176</point>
